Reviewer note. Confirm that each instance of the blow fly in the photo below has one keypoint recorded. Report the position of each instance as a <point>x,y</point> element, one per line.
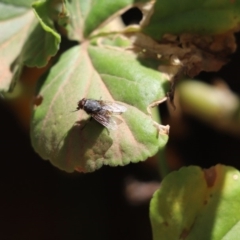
<point>102,111</point>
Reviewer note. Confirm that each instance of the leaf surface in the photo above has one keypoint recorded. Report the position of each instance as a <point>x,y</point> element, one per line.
<point>88,16</point>
<point>198,17</point>
<point>15,24</point>
<point>197,204</point>
<point>98,73</point>
<point>23,41</point>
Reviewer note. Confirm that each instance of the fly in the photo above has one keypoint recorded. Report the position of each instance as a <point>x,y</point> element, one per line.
<point>102,111</point>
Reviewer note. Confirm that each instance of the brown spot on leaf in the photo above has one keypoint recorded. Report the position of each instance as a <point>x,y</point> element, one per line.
<point>165,224</point>
<point>189,53</point>
<point>80,169</point>
<point>184,233</point>
<point>210,176</point>
<point>194,52</point>
<point>37,100</point>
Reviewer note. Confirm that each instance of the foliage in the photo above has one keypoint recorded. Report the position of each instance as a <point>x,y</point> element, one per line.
<point>131,66</point>
<point>197,204</point>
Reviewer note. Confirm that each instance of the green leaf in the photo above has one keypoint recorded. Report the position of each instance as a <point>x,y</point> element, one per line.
<point>98,73</point>
<point>10,11</point>
<point>16,22</point>
<point>44,41</point>
<point>197,204</point>
<point>187,16</point>
<point>88,15</point>
<point>14,6</point>
<point>212,103</point>
<point>22,41</point>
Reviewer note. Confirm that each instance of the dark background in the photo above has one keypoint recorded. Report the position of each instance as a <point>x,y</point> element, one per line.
<point>38,201</point>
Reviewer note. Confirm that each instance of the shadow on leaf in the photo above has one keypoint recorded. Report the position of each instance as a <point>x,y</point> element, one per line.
<point>84,146</point>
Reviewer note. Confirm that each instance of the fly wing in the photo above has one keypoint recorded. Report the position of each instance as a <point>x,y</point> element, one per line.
<point>114,108</point>
<point>104,118</point>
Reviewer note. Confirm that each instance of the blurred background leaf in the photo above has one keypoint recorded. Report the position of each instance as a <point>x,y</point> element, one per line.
<point>194,203</point>
<point>198,17</point>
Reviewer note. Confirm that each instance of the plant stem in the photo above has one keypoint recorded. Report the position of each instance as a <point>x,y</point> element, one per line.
<point>160,156</point>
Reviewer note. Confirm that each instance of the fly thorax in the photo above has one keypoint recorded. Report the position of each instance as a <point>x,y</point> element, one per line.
<point>92,106</point>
